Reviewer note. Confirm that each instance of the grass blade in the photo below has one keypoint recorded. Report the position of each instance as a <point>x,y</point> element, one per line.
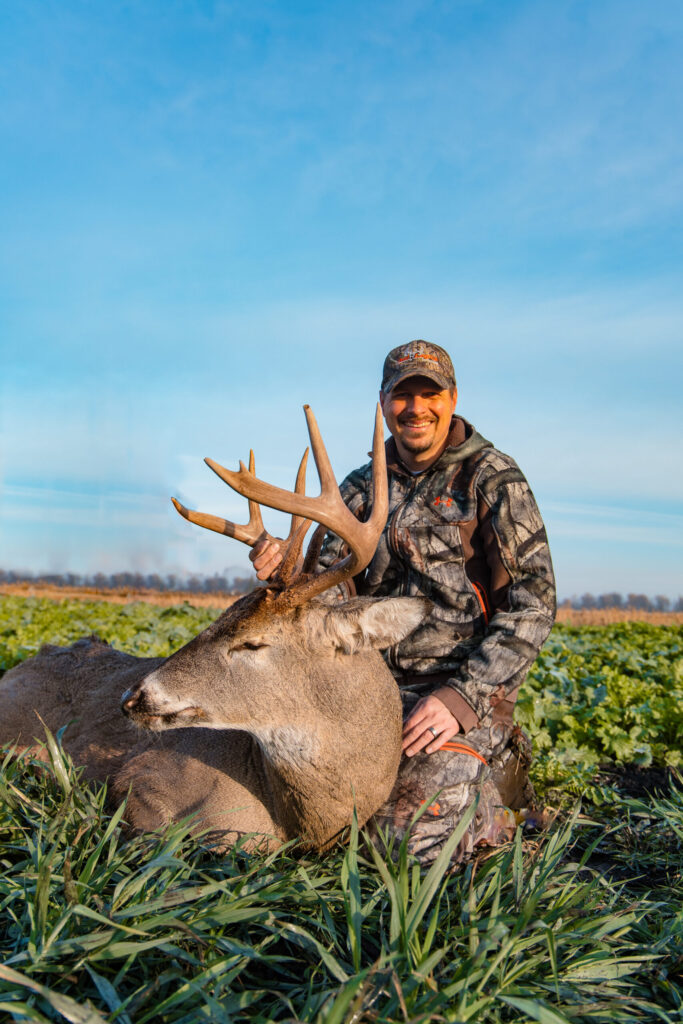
<point>64,1005</point>
<point>536,1010</point>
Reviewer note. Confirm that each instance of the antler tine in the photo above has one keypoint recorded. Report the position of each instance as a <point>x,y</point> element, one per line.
<point>287,569</point>
<point>248,534</point>
<point>255,519</point>
<point>380,482</point>
<point>313,550</point>
<point>300,484</point>
<point>328,481</point>
<point>299,488</point>
<point>361,537</point>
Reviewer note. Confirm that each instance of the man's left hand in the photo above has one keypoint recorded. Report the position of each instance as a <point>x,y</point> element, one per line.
<point>429,725</point>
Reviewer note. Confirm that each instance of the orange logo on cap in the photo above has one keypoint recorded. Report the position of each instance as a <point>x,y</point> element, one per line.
<point>417,355</point>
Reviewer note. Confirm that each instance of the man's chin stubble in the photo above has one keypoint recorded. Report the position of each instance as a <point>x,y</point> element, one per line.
<point>416,447</point>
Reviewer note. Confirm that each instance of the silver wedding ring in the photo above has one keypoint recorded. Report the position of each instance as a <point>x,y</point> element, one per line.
<point>433,731</point>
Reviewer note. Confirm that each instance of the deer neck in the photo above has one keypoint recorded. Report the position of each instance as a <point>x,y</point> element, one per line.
<point>305,784</point>
<point>344,748</point>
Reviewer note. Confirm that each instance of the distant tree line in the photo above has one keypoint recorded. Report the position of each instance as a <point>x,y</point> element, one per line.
<point>194,584</point>
<point>638,602</point>
<point>223,584</point>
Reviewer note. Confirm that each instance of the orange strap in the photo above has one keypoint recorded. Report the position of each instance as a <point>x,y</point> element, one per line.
<point>462,748</point>
<point>483,601</point>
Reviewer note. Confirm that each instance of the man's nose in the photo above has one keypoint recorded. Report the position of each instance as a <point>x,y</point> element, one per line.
<point>416,404</point>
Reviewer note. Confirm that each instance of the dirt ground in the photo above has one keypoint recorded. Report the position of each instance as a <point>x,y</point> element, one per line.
<point>608,616</point>
<point>566,615</point>
<point>632,780</point>
<point>124,596</point>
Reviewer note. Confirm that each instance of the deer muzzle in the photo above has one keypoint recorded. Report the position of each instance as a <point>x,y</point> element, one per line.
<point>156,715</point>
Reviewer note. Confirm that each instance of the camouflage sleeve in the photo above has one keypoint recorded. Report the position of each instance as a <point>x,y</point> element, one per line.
<point>522,590</point>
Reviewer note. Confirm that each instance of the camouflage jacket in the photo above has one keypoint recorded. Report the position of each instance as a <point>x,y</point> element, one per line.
<point>467,534</point>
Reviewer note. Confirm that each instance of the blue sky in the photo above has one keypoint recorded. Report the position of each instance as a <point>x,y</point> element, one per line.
<point>215,212</point>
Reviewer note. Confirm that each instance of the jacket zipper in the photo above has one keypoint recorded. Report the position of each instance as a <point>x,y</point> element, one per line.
<point>483,601</point>
<point>482,596</point>
<point>393,538</point>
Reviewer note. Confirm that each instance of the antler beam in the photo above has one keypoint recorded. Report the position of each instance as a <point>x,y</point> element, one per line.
<point>328,509</point>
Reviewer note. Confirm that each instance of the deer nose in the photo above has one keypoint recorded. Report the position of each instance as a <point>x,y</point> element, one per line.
<point>130,699</point>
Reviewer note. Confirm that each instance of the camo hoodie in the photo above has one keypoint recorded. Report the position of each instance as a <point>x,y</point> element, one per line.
<point>467,534</point>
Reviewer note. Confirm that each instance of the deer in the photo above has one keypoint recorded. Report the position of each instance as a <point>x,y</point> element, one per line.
<point>276,723</point>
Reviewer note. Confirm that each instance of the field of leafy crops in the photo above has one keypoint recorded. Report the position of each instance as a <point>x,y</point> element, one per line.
<point>584,923</point>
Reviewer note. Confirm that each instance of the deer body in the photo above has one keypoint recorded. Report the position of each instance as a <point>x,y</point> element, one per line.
<point>273,722</point>
<point>277,719</point>
<point>80,687</point>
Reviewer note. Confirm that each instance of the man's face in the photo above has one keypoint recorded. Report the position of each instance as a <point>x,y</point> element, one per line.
<point>418,415</point>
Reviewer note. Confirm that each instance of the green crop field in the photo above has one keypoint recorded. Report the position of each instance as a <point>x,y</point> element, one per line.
<point>581,923</point>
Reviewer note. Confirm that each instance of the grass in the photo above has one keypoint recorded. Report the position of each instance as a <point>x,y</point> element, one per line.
<point>582,924</point>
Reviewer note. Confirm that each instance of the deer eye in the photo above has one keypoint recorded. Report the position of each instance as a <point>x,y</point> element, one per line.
<point>249,645</point>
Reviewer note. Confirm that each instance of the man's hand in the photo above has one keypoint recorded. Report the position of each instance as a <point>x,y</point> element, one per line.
<point>428,714</point>
<point>266,556</point>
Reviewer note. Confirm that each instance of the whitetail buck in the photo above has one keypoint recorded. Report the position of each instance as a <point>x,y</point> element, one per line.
<point>275,719</point>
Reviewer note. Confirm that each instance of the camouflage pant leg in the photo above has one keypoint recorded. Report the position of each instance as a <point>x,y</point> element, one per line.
<point>449,782</point>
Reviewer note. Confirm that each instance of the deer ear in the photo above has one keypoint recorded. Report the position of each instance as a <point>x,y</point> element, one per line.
<point>374,622</point>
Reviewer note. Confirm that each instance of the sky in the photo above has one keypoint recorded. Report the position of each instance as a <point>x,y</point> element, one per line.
<point>213,213</point>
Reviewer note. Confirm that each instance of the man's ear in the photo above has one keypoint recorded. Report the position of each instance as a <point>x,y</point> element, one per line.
<point>455,397</point>
<point>381,400</point>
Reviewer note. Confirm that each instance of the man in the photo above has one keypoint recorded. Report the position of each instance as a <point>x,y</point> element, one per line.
<point>463,530</point>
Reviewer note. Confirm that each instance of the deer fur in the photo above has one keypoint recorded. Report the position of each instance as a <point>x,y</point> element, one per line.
<point>274,721</point>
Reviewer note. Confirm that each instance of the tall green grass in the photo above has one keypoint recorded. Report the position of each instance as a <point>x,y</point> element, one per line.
<point>98,927</point>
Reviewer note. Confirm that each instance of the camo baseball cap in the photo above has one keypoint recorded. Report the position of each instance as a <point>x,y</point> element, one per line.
<point>418,359</point>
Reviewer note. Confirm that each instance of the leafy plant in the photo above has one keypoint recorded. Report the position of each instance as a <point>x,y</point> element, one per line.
<point>583,924</point>
<point>604,694</point>
<point>143,629</point>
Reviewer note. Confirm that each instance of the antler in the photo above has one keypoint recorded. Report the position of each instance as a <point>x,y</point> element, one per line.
<point>254,530</point>
<point>328,509</point>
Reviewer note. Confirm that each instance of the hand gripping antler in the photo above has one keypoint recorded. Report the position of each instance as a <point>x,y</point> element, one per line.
<point>328,509</point>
